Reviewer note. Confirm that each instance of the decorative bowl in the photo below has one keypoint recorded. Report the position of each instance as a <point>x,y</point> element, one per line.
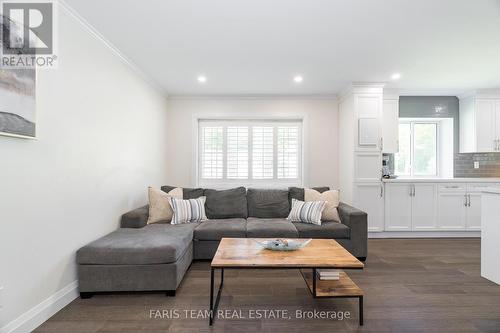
<point>283,244</point>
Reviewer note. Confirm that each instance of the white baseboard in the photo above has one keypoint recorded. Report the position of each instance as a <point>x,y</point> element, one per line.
<point>37,315</point>
<point>425,234</point>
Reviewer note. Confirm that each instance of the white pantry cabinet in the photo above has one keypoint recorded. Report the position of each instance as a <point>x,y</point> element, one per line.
<point>390,124</point>
<point>410,207</point>
<point>369,197</point>
<point>479,124</point>
<point>368,108</point>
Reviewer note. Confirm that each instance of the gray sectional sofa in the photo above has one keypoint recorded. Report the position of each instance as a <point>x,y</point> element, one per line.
<point>155,257</point>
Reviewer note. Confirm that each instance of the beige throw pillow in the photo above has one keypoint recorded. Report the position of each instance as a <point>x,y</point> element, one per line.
<point>331,197</point>
<point>159,206</point>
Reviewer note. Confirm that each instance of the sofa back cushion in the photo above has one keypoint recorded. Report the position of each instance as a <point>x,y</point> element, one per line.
<point>226,204</point>
<point>265,203</point>
<point>187,193</point>
<point>297,193</point>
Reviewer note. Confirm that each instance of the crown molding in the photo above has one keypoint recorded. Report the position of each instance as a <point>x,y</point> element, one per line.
<point>362,88</point>
<point>481,93</point>
<point>330,97</point>
<point>114,50</point>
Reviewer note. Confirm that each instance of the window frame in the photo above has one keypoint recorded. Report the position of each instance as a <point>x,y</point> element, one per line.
<point>249,182</point>
<point>412,123</point>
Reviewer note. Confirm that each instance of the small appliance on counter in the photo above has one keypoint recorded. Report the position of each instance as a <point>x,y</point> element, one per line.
<point>386,170</point>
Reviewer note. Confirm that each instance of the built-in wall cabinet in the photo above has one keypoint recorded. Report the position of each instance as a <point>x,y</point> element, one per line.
<point>433,206</point>
<point>390,124</point>
<point>369,197</point>
<point>480,124</point>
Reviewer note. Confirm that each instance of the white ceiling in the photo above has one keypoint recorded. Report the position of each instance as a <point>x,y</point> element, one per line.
<point>257,46</point>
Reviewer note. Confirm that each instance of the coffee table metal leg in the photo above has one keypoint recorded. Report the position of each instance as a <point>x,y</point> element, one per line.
<point>361,310</point>
<point>214,306</point>
<point>314,282</point>
<point>210,320</point>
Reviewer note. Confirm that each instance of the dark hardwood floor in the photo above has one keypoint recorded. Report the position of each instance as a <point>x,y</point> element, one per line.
<point>424,285</point>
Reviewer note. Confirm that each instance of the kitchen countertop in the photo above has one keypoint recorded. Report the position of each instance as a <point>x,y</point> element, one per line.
<point>442,180</point>
<point>494,190</point>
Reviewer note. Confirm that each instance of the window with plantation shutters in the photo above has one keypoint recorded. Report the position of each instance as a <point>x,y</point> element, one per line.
<point>288,152</point>
<point>237,152</point>
<point>260,153</point>
<point>212,152</point>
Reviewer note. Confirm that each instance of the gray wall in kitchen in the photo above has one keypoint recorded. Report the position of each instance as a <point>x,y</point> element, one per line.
<point>447,107</point>
<point>489,165</point>
<point>432,107</point>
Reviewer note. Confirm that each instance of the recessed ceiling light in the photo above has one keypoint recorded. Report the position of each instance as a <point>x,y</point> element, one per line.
<point>298,79</point>
<point>396,76</point>
<point>202,79</point>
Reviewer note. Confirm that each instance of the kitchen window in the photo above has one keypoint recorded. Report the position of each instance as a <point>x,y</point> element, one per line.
<point>418,154</point>
<point>249,152</point>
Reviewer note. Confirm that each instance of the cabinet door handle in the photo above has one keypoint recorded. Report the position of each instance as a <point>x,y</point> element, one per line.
<point>468,196</point>
<point>465,200</point>
<point>411,190</point>
<point>381,190</point>
<point>381,144</point>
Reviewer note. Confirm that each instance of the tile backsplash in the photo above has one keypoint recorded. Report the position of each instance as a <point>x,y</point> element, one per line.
<point>489,165</point>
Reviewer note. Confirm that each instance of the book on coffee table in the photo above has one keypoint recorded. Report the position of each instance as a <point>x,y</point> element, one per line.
<point>329,274</point>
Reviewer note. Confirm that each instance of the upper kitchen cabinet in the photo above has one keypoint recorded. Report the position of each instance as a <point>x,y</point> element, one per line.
<point>368,107</point>
<point>480,123</point>
<point>390,124</point>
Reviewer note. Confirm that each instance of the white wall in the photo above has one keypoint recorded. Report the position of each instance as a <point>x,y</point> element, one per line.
<point>320,126</point>
<point>101,142</point>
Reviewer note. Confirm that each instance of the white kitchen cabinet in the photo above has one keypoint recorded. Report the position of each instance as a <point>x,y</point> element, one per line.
<point>424,204</point>
<point>485,125</point>
<point>479,124</point>
<point>410,207</point>
<point>473,214</point>
<point>497,124</point>
<point>398,206</point>
<point>368,108</point>
<point>390,125</point>
<point>369,197</point>
<point>460,206</point>
<point>451,210</point>
<point>473,206</point>
<point>368,167</point>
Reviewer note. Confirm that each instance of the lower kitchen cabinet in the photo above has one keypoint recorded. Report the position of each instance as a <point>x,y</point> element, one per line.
<point>452,210</point>
<point>473,216</point>
<point>433,206</point>
<point>424,207</point>
<point>369,197</point>
<point>398,198</point>
<point>410,207</point>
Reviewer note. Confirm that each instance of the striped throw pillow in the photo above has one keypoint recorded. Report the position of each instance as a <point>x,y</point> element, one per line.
<point>185,211</point>
<point>307,212</point>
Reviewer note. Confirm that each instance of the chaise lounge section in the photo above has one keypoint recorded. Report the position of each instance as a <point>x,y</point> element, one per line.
<point>155,257</point>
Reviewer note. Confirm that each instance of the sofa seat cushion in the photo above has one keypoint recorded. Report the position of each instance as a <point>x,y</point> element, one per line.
<point>270,228</point>
<point>217,229</point>
<point>327,229</point>
<point>226,204</point>
<point>153,244</point>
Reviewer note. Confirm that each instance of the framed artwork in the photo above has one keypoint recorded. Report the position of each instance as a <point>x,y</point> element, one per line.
<point>17,98</point>
<point>17,102</point>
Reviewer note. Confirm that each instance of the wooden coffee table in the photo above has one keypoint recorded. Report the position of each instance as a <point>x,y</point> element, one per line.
<point>242,253</point>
